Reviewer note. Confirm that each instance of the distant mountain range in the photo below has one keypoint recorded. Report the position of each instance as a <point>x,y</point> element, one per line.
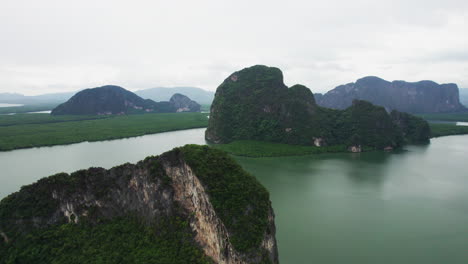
<point>111,100</point>
<point>411,97</point>
<point>156,94</point>
<point>164,94</point>
<point>52,98</point>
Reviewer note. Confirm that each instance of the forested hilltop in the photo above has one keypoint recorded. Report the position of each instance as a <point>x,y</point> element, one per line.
<point>255,104</point>
<point>193,204</point>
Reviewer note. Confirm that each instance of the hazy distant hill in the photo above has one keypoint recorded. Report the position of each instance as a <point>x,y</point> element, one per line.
<point>164,94</point>
<point>411,97</point>
<point>16,98</point>
<point>111,99</point>
<point>464,96</point>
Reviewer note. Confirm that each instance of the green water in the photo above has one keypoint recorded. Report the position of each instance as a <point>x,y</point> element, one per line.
<point>25,166</point>
<point>405,207</point>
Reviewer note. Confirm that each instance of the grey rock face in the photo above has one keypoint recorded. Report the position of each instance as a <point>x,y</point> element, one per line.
<point>417,97</point>
<point>183,104</point>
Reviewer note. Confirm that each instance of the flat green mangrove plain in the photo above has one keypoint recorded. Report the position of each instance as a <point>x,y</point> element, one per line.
<point>453,117</point>
<point>446,129</point>
<point>27,108</point>
<point>34,130</point>
<point>440,130</point>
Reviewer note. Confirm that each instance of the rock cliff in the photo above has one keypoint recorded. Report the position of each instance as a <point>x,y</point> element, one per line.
<point>228,213</point>
<point>255,104</point>
<point>411,97</point>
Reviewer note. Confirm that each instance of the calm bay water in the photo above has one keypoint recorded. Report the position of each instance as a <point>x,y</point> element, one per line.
<point>405,207</point>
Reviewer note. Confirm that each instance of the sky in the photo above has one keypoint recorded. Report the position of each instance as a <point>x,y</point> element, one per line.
<point>66,45</point>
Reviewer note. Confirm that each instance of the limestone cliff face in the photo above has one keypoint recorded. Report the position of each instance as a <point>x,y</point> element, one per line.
<point>417,97</point>
<point>211,233</point>
<point>153,189</point>
<point>182,103</point>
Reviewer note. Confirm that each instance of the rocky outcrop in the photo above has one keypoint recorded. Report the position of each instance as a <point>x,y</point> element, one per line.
<point>182,103</point>
<point>154,189</point>
<point>115,100</point>
<point>355,149</point>
<point>411,97</point>
<point>255,104</point>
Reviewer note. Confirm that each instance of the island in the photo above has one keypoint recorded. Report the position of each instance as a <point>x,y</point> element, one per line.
<point>255,104</point>
<point>115,100</point>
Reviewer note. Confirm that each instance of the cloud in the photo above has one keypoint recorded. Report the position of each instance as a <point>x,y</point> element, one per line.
<point>53,46</point>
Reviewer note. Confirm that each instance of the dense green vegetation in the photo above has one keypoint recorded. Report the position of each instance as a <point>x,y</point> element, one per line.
<point>121,240</point>
<point>251,148</point>
<point>239,199</point>
<point>27,108</point>
<point>367,125</point>
<point>27,218</point>
<point>461,117</point>
<point>440,130</point>
<point>255,104</point>
<point>22,132</point>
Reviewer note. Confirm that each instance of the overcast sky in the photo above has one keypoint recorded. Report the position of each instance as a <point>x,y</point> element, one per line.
<point>66,45</point>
